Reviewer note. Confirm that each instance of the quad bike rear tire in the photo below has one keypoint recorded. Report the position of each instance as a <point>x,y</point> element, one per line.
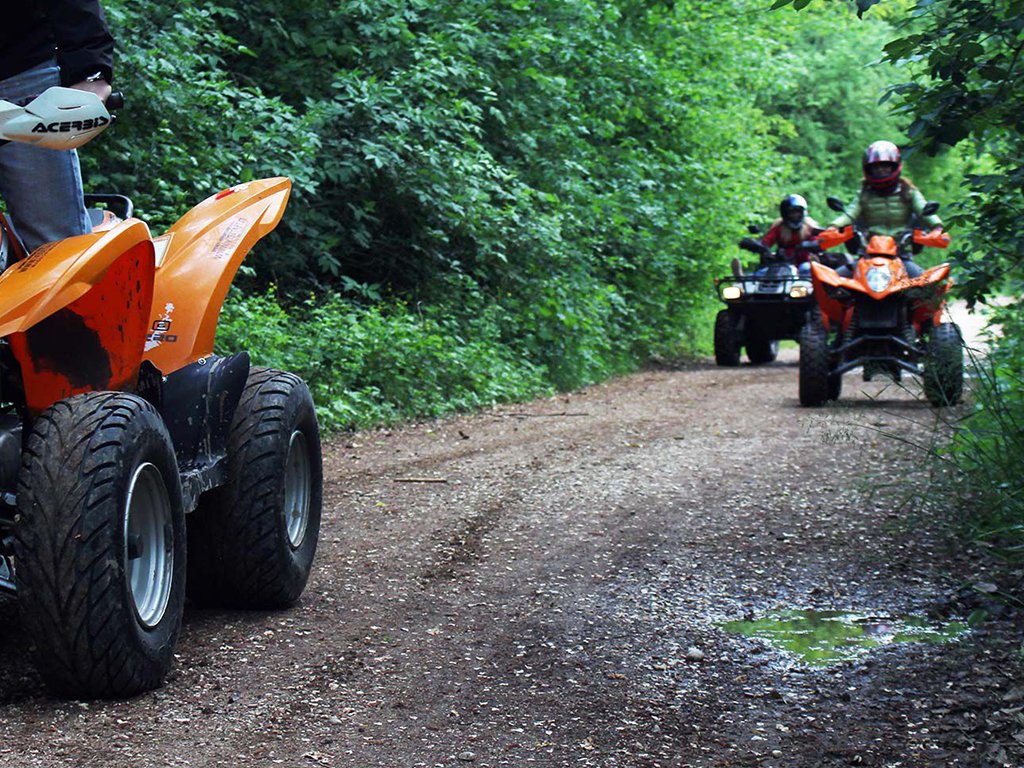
<point>252,541</point>
<point>943,377</point>
<point>762,351</point>
<point>727,340</point>
<point>816,383</point>
<point>100,546</point>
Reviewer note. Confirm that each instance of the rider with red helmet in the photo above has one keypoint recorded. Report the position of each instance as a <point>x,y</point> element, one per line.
<point>887,201</point>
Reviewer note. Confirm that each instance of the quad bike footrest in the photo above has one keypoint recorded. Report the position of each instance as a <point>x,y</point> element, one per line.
<point>200,478</point>
<point>852,344</point>
<point>901,364</point>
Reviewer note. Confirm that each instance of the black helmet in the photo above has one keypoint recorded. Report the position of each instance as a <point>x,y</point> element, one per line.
<point>793,209</point>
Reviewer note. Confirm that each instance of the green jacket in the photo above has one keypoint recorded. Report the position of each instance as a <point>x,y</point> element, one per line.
<point>886,214</point>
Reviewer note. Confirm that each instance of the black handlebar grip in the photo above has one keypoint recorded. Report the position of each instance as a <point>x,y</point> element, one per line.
<point>115,101</point>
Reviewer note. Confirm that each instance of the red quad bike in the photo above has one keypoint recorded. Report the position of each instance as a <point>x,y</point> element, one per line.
<point>880,319</point>
<point>136,466</point>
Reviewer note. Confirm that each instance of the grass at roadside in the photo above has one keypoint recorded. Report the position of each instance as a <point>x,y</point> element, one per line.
<point>372,365</point>
<point>384,362</point>
<point>988,446</point>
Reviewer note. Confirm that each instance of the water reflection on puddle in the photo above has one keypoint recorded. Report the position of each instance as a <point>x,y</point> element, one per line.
<point>828,637</point>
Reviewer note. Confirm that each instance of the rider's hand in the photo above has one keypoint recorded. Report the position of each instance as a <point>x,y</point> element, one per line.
<point>935,232</point>
<point>100,87</point>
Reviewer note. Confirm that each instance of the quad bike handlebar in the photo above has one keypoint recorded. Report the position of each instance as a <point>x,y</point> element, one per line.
<point>58,118</point>
<point>935,238</point>
<point>749,244</point>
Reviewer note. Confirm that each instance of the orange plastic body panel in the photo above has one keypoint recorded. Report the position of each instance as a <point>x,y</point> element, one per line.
<point>830,238</point>
<point>76,310</point>
<point>930,307</point>
<point>203,252</point>
<point>837,314</point>
<point>882,245</point>
<point>57,274</point>
<point>931,239</point>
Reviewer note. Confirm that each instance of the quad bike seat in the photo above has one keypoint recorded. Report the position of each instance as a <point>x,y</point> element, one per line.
<point>11,247</point>
<point>106,211</point>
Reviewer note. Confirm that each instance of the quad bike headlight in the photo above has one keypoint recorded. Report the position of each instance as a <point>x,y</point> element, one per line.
<point>731,292</point>
<point>878,279</point>
<point>799,292</point>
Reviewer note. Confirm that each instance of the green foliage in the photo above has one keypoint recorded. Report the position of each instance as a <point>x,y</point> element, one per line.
<point>966,90</point>
<point>556,157</point>
<point>189,128</point>
<point>491,198</point>
<point>379,364</point>
<point>988,448</point>
<point>831,88</point>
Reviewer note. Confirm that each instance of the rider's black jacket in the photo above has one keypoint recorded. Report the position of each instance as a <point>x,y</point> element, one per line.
<point>73,31</point>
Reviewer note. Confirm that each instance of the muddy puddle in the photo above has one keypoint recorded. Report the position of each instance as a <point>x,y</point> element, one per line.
<point>819,638</point>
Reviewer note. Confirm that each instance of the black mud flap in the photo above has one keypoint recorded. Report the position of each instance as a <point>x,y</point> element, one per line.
<point>198,403</point>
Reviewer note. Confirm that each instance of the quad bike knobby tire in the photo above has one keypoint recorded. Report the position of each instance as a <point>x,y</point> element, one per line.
<point>943,377</point>
<point>251,541</point>
<point>762,351</point>
<point>100,545</point>
<point>727,340</point>
<point>835,386</point>
<point>816,384</point>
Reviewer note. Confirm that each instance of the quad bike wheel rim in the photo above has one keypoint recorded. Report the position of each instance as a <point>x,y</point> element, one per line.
<point>297,484</point>
<point>149,544</point>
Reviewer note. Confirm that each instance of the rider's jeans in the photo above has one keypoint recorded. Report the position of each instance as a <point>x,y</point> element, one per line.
<point>42,188</point>
<point>913,269</point>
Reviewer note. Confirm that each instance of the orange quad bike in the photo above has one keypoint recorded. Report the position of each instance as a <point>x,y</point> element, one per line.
<point>136,466</point>
<point>880,319</point>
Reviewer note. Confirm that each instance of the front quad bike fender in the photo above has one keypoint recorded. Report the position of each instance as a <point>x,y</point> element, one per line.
<point>251,541</point>
<point>929,293</point>
<point>77,311</point>
<point>833,311</point>
<point>943,376</point>
<point>197,260</point>
<point>100,545</point>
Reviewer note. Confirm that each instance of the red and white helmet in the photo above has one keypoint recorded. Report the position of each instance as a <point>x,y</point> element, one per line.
<point>882,152</point>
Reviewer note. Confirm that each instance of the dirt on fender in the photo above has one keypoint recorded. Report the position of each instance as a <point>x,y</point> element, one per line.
<point>545,584</point>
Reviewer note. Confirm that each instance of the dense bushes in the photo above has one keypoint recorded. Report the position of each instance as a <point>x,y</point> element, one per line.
<point>548,185</point>
<point>965,90</point>
<point>989,445</point>
<point>377,364</point>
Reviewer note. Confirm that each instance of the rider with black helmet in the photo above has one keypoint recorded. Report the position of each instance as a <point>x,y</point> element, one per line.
<point>788,231</point>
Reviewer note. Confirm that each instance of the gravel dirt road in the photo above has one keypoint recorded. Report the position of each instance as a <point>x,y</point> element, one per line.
<point>544,584</point>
